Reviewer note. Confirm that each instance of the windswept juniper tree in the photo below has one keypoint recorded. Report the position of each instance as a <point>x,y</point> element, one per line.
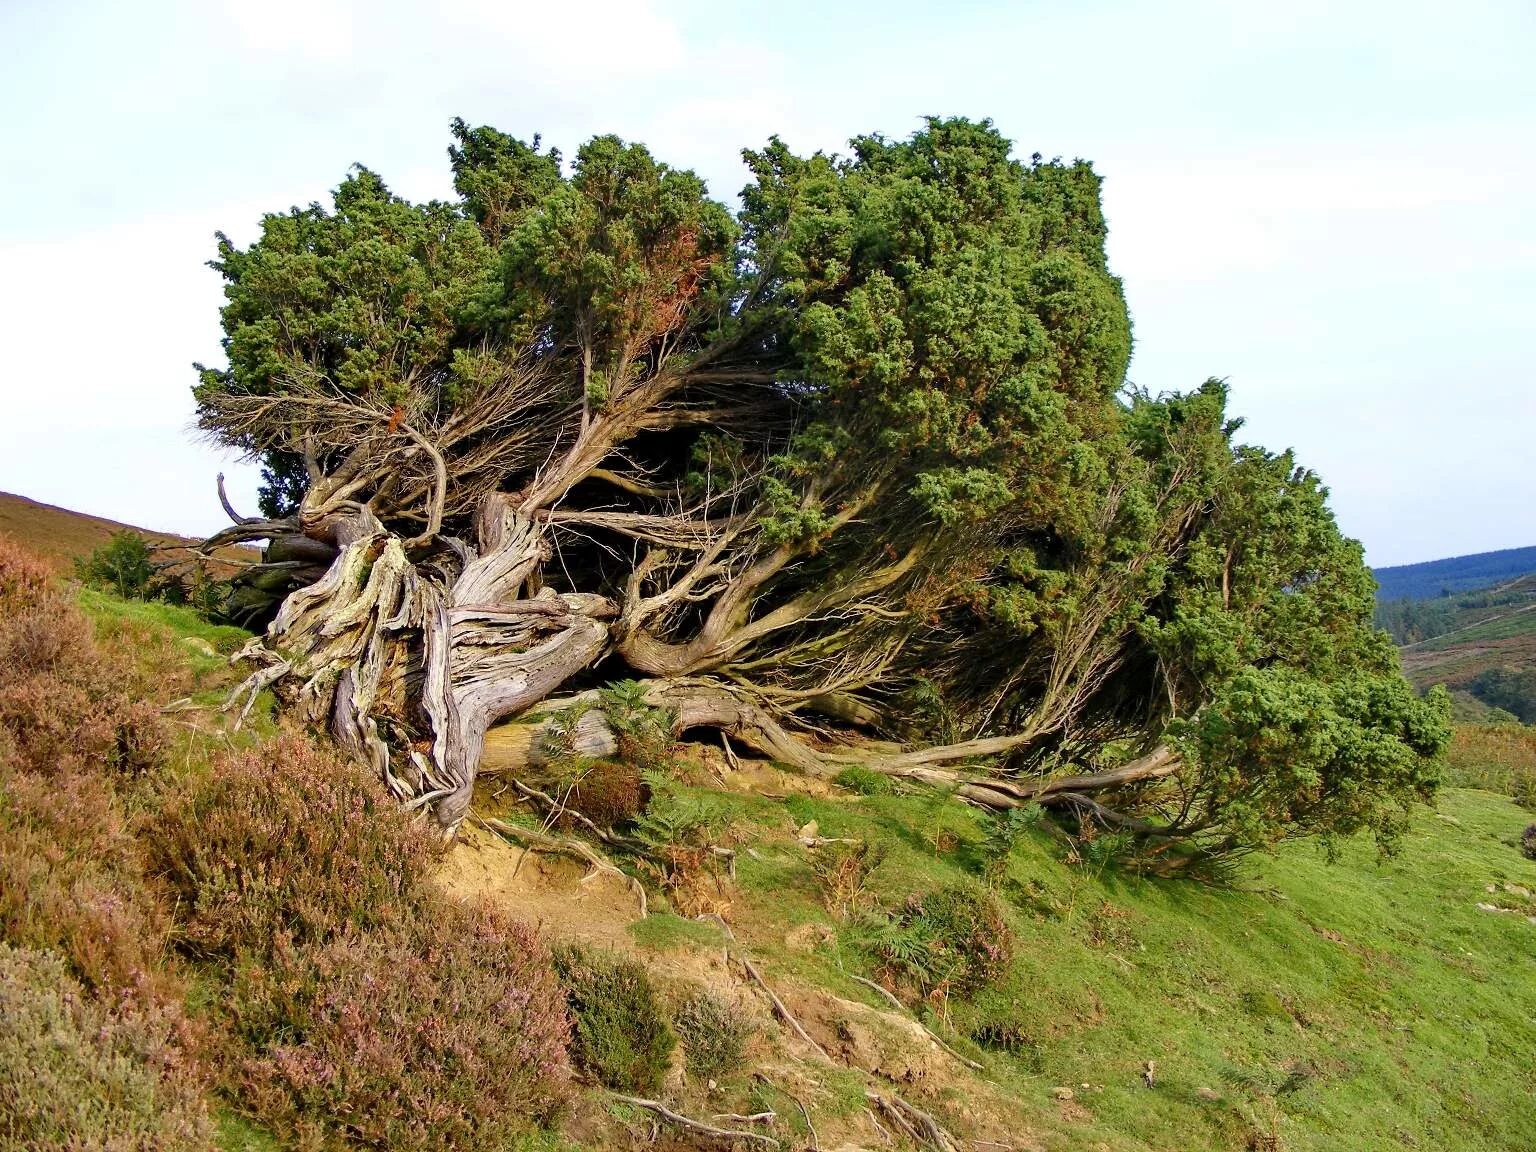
<point>852,476</point>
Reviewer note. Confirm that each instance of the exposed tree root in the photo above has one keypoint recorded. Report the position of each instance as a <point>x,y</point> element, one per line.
<point>890,999</point>
<point>780,1010</point>
<point>916,1124</point>
<point>535,841</point>
<point>697,1126</point>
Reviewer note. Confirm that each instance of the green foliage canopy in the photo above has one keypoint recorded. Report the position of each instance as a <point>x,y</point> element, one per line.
<point>862,453</point>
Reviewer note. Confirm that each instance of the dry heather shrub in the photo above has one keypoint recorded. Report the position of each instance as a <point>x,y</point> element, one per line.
<point>366,1008</point>
<point>70,726</point>
<point>70,881</point>
<point>64,699</point>
<point>448,1032</point>
<point>285,841</point>
<point>75,1075</point>
<point>1496,757</point>
<point>842,869</point>
<point>714,1034</point>
<point>608,793</point>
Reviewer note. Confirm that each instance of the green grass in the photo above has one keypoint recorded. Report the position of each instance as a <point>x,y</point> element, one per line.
<point>234,1133</point>
<point>661,931</point>
<point>181,622</point>
<point>1411,1011</point>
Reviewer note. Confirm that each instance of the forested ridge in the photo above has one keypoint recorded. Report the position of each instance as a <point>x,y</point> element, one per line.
<point>851,477</point>
<point>1454,574</point>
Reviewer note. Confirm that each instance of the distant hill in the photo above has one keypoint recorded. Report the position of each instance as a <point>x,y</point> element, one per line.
<point>1479,644</point>
<point>60,536</point>
<point>1454,574</point>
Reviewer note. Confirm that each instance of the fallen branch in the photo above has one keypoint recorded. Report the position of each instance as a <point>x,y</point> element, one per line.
<point>811,1128</point>
<point>755,1118</point>
<point>698,1126</point>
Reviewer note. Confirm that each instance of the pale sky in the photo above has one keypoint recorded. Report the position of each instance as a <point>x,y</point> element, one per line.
<point>1332,205</point>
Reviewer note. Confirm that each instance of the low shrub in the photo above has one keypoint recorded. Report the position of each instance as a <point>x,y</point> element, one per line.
<point>1003,1030</point>
<point>714,1035</point>
<point>608,793</point>
<point>71,731</point>
<point>642,733</point>
<point>1005,830</point>
<point>365,1007</point>
<point>122,565</point>
<point>842,869</point>
<point>1528,842</point>
<point>446,1032</point>
<point>952,941</point>
<point>64,699</point>
<point>620,1036</point>
<point>285,842</point>
<point>74,1075</point>
<point>69,878</point>
<point>681,830</point>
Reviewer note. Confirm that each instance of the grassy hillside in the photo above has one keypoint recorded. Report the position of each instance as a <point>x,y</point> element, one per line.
<point>1467,640</point>
<point>1405,1009</point>
<point>1355,1004</point>
<point>60,536</point>
<point>1453,574</point>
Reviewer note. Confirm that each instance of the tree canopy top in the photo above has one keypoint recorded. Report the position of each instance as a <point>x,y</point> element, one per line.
<point>859,458</point>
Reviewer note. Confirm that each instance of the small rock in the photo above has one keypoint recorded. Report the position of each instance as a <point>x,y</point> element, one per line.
<point>1062,1093</point>
<point>810,831</point>
<point>1207,1094</point>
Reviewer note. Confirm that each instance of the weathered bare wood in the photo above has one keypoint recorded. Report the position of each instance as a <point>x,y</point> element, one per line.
<point>917,1124</point>
<point>698,1126</point>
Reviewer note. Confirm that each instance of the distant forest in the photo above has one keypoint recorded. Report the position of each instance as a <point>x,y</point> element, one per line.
<point>1436,578</point>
